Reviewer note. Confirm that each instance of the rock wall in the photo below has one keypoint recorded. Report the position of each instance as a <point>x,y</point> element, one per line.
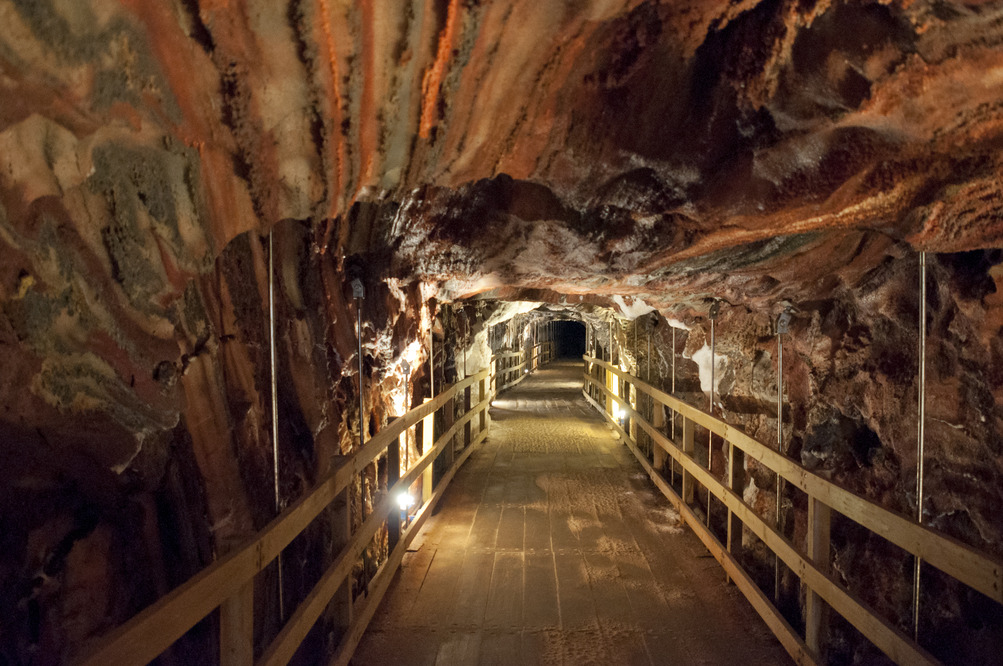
<point>851,415</point>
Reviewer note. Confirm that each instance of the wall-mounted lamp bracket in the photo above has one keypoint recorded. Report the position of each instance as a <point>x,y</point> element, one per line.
<point>784,323</point>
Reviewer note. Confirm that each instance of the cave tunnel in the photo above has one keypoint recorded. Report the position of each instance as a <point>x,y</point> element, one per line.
<point>291,290</point>
<point>569,337</point>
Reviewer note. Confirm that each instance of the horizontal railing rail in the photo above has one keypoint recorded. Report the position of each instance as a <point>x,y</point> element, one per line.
<point>964,563</point>
<point>227,584</point>
<point>511,367</point>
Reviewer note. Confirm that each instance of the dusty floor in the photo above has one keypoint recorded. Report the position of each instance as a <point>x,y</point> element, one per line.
<point>553,547</point>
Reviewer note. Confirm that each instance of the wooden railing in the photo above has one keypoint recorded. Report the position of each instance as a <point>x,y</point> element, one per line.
<point>604,388</point>
<point>510,367</point>
<point>229,583</point>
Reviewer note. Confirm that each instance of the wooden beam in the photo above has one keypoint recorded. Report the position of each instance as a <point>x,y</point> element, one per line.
<point>819,521</point>
<point>736,482</point>
<point>393,476</point>
<point>689,447</point>
<point>427,443</point>
<point>658,453</point>
<point>236,628</point>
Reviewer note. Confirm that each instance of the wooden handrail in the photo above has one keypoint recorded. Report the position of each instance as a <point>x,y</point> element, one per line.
<point>976,569</point>
<point>882,633</point>
<point>299,624</point>
<point>381,581</point>
<point>784,632</point>
<point>157,627</point>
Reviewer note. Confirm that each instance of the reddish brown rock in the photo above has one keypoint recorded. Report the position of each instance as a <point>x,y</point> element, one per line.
<point>608,157</point>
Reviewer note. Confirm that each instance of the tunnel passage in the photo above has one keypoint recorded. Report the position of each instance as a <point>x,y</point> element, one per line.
<point>552,546</point>
<point>189,188</point>
<point>570,339</point>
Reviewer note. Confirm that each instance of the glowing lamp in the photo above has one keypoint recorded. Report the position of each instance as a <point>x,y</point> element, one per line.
<point>405,501</point>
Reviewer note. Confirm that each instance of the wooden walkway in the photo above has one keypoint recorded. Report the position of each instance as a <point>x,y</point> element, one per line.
<point>552,546</point>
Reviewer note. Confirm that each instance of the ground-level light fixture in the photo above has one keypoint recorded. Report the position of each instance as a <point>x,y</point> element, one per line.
<point>405,501</point>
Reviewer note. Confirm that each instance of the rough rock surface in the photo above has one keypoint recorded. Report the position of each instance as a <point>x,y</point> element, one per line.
<point>603,157</point>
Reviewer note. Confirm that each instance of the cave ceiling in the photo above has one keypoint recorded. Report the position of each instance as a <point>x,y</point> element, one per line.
<point>634,155</point>
<point>658,151</point>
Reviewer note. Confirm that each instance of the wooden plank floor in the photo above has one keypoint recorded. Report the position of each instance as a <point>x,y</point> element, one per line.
<point>553,547</point>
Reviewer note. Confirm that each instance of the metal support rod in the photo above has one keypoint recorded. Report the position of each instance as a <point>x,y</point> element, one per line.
<point>780,449</point>
<point>651,402</point>
<point>920,439</point>
<point>275,402</point>
<point>672,461</point>
<point>358,293</point>
<point>710,434</point>
<point>630,387</point>
<point>362,410</point>
<point>431,358</point>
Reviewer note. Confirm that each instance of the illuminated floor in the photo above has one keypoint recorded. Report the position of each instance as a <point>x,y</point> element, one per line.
<point>553,547</point>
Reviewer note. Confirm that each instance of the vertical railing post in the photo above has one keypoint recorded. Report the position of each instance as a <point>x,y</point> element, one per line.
<point>819,519</point>
<point>594,374</point>
<point>236,627</point>
<point>481,397</point>
<point>632,402</point>
<point>658,421</point>
<point>736,482</point>
<point>393,476</point>
<point>608,383</point>
<point>688,449</point>
<point>449,418</point>
<point>427,442</point>
<point>341,534</point>
<point>468,426</point>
